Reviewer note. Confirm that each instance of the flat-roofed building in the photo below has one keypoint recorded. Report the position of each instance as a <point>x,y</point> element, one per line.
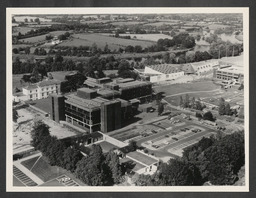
<point>230,73</point>
<point>91,113</point>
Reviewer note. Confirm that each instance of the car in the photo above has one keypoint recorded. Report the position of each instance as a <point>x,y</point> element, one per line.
<point>155,146</point>
<point>194,130</point>
<point>174,138</point>
<point>186,128</point>
<point>183,129</point>
<point>153,131</point>
<point>167,136</point>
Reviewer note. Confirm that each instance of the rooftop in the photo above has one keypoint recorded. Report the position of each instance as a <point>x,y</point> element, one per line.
<point>48,82</point>
<point>133,84</point>
<point>144,159</point>
<point>31,87</point>
<point>92,104</point>
<point>233,69</point>
<point>202,63</point>
<point>166,68</point>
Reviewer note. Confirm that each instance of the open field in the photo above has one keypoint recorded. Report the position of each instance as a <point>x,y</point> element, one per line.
<point>101,41</point>
<point>22,30</point>
<point>217,26</point>
<point>22,18</point>
<point>157,24</point>
<point>41,38</point>
<point>148,37</point>
<point>188,87</point>
<point>120,23</point>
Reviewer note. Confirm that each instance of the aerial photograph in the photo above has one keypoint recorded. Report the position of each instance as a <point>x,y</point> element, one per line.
<point>128,100</point>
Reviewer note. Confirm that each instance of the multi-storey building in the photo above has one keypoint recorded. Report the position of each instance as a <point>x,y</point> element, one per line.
<point>41,90</point>
<point>232,73</point>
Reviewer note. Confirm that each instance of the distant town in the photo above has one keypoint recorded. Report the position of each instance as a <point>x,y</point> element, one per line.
<point>128,100</point>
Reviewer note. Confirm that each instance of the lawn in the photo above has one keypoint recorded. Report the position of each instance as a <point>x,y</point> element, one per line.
<point>157,24</point>
<point>102,40</point>
<point>120,23</point>
<point>22,30</point>
<point>148,37</point>
<point>43,104</point>
<point>188,87</point>
<point>30,163</point>
<point>43,170</point>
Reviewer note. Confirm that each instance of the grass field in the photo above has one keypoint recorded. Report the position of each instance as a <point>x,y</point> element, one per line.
<point>43,170</point>
<point>101,41</point>
<point>22,30</point>
<point>41,38</point>
<point>30,163</point>
<point>217,26</point>
<point>188,87</point>
<point>148,37</point>
<point>157,24</point>
<point>120,23</point>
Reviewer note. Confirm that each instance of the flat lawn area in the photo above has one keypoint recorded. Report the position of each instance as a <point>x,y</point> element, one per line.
<point>30,163</point>
<point>22,30</point>
<point>127,23</point>
<point>157,24</point>
<point>43,104</point>
<point>188,87</point>
<point>148,37</point>
<point>217,26</point>
<point>101,40</point>
<point>43,170</point>
<point>141,158</point>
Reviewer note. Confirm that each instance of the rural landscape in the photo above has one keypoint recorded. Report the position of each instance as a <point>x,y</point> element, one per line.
<point>128,100</point>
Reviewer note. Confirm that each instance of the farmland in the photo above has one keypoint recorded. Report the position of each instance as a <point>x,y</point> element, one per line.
<point>41,38</point>
<point>101,41</point>
<point>119,23</point>
<point>148,37</point>
<point>157,24</point>
<point>22,30</point>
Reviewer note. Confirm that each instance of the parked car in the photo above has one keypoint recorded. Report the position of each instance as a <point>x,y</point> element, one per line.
<point>174,138</point>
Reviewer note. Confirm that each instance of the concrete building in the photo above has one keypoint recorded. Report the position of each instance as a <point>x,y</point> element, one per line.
<point>203,67</point>
<point>57,107</point>
<point>126,89</point>
<point>168,72</point>
<point>163,72</point>
<point>232,73</point>
<point>41,90</point>
<point>92,113</point>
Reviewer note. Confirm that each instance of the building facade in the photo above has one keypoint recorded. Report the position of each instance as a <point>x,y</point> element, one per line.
<point>41,90</point>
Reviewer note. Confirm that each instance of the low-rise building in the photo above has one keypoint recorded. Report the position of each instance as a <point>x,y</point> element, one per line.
<point>233,73</point>
<point>41,90</point>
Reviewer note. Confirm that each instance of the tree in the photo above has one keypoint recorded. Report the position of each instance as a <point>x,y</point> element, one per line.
<point>241,87</point>
<point>25,20</point>
<point>27,50</point>
<point>15,115</point>
<point>186,101</point>
<point>166,58</point>
<point>181,102</point>
<point>94,48</point>
<point>223,159</point>
<point>15,50</point>
<point>222,110</point>
<point>113,162</point>
<point>70,158</point>
<point>228,110</point>
<point>178,173</point>
<point>208,116</point>
<point>160,108</point>
<point>190,56</point>
<point>133,145</point>
<point>106,49</point>
<point>39,131</point>
<point>37,20</point>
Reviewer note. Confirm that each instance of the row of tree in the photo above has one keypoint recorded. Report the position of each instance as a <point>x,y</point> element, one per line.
<point>188,102</point>
<point>216,160</point>
<point>224,108</point>
<point>96,169</point>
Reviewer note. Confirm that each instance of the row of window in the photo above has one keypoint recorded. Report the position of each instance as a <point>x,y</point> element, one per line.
<point>46,89</point>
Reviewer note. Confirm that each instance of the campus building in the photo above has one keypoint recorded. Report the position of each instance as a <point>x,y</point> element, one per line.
<point>41,90</point>
<point>87,110</point>
<point>168,72</point>
<point>124,88</point>
<point>232,73</point>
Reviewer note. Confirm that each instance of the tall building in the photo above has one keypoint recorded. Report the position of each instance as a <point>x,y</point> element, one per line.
<point>57,107</point>
<point>92,113</point>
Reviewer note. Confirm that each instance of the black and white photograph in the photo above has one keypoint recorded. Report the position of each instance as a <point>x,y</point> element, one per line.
<point>121,99</point>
